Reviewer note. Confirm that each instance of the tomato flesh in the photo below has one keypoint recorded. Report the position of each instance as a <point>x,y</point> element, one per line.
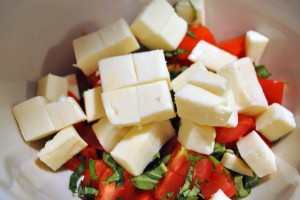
<point>273,90</point>
<point>235,46</point>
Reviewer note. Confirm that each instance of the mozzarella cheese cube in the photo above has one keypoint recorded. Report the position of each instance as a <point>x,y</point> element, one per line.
<point>93,104</point>
<point>211,56</point>
<point>193,14</point>
<point>108,134</point>
<point>257,154</point>
<point>65,112</point>
<point>196,138</point>
<point>169,37</point>
<point>72,85</point>
<point>115,39</point>
<point>138,147</point>
<point>151,66</point>
<point>158,26</point>
<point>219,195</point>
<point>242,80</point>
<point>202,107</point>
<point>121,106</point>
<point>275,122</point>
<point>33,119</point>
<point>117,72</point>
<point>52,87</point>
<point>118,39</point>
<point>151,20</point>
<point>155,102</point>
<point>256,44</point>
<point>234,163</point>
<point>209,81</point>
<point>233,120</point>
<point>182,79</point>
<point>64,145</point>
<point>88,50</point>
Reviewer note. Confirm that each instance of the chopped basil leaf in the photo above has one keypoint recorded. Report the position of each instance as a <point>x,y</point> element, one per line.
<point>191,34</point>
<point>180,51</point>
<point>76,174</point>
<point>87,191</point>
<point>251,181</point>
<point>193,157</point>
<point>262,71</point>
<point>194,10</point>
<point>169,194</point>
<point>214,160</point>
<point>116,177</point>
<point>219,148</point>
<point>176,52</point>
<point>241,191</point>
<point>92,170</point>
<point>148,180</point>
<point>110,161</point>
<point>166,159</point>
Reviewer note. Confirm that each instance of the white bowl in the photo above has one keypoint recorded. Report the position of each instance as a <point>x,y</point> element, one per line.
<point>36,39</point>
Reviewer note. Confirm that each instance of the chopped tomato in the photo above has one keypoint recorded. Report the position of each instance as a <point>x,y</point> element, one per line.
<point>235,46</point>
<point>88,152</point>
<point>170,183</point>
<point>188,43</point>
<point>202,169</point>
<point>73,163</point>
<point>245,124</point>
<point>273,90</point>
<point>144,195</point>
<point>87,134</point>
<point>178,162</point>
<point>95,80</point>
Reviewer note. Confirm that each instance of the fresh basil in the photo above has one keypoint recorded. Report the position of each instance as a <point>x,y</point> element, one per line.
<point>241,191</point>
<point>77,173</point>
<point>262,71</point>
<point>92,170</point>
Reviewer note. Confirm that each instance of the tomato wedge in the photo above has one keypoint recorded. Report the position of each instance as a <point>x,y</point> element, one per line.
<point>88,152</point>
<point>202,169</point>
<point>235,46</point>
<point>273,90</point>
<point>144,195</point>
<point>188,43</point>
<point>178,162</point>
<point>225,135</point>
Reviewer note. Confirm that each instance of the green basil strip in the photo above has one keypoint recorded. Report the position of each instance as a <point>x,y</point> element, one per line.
<point>76,174</point>
<point>195,14</point>
<point>87,191</point>
<point>262,71</point>
<point>214,160</point>
<point>92,170</point>
<point>251,181</point>
<point>166,159</point>
<point>110,161</point>
<point>193,157</point>
<point>241,191</point>
<point>117,175</point>
<point>191,34</point>
<point>219,148</point>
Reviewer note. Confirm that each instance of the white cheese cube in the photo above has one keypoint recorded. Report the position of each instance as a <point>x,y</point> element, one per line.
<point>65,112</point>
<point>193,11</point>
<point>72,85</point>
<point>170,36</point>
<point>234,163</point>
<point>121,106</point>
<point>108,134</point>
<point>275,122</point>
<point>151,20</point>
<point>182,79</point>
<point>93,104</point>
<point>117,72</point>
<point>211,56</point>
<point>138,147</point>
<point>52,87</point>
<point>242,80</point>
<point>64,145</point>
<point>202,106</point>
<point>155,102</point>
<point>233,120</point>
<point>118,39</point>
<point>151,66</point>
<point>88,50</point>
<point>196,138</point>
<point>257,154</point>
<point>256,44</point>
<point>219,195</point>
<point>33,119</point>
<point>209,81</point>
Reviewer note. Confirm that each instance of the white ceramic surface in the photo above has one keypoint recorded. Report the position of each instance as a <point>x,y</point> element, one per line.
<point>36,38</point>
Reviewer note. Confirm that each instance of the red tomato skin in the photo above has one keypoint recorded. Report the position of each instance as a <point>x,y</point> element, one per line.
<point>188,43</point>
<point>235,46</point>
<point>88,152</point>
<point>226,135</point>
<point>202,169</point>
<point>273,90</point>
<point>178,162</point>
<point>144,195</point>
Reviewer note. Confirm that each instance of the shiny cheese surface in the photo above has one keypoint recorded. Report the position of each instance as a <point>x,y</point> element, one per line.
<point>234,163</point>
<point>256,43</point>
<point>93,104</point>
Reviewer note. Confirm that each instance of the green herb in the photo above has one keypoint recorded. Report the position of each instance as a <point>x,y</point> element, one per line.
<point>92,170</point>
<point>148,180</point>
<point>193,157</point>
<point>241,191</point>
<point>76,174</point>
<point>194,10</point>
<point>87,191</point>
<point>262,71</point>
<point>219,148</point>
<point>110,161</point>
<point>251,181</point>
<point>169,194</point>
<point>116,177</point>
<point>191,34</point>
<point>166,159</point>
<point>214,160</point>
<point>176,52</point>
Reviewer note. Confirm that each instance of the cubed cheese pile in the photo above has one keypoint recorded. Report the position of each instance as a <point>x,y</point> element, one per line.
<point>158,26</point>
<point>136,88</point>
